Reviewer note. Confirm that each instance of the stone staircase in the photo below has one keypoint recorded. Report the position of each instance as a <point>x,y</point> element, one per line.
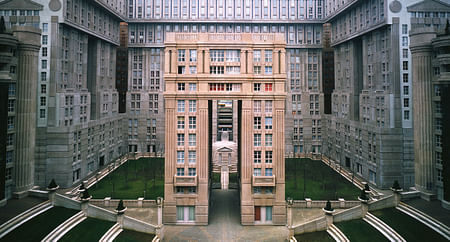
<point>434,224</point>
<point>24,217</point>
<point>337,234</point>
<point>383,228</point>
<point>111,234</point>
<point>65,227</point>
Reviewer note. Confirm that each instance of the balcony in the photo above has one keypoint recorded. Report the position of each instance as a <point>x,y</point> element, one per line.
<point>263,181</point>
<point>185,181</point>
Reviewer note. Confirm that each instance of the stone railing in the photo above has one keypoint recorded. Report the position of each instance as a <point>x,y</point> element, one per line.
<point>264,181</point>
<point>308,203</point>
<point>185,181</point>
<point>130,203</point>
<point>318,224</point>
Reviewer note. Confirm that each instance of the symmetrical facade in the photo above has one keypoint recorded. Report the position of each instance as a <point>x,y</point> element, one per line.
<point>201,68</point>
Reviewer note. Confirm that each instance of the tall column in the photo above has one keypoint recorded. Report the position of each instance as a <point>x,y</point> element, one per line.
<point>247,204</point>
<point>27,78</point>
<point>201,206</point>
<point>421,51</point>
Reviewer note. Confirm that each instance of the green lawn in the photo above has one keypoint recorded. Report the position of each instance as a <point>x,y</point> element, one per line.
<point>133,236</point>
<point>321,236</point>
<point>131,179</point>
<point>409,228</point>
<point>40,226</point>
<point>359,230</point>
<point>322,182</point>
<point>90,229</point>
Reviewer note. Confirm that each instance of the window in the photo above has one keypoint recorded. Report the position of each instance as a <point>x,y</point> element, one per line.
<point>405,53</point>
<point>192,172</point>
<point>44,39</point>
<point>268,55</point>
<point>406,115</point>
<point>44,27</point>
<point>268,140</point>
<point>192,140</point>
<point>180,157</point>
<point>181,55</point>
<point>180,106</point>
<point>181,87</point>
<point>404,29</point>
<point>216,55</point>
<point>180,122</point>
<point>43,76</point>
<point>256,87</point>
<point>372,176</point>
<point>8,173</point>
<point>192,106</point>
<point>257,156</point>
<point>44,64</point>
<point>406,102</point>
<point>192,87</point>
<point>43,101</point>
<point>180,139</point>
<point>11,105</point>
<point>185,213</point>
<point>268,87</point>
<point>268,123</point>
<point>257,172</point>
<point>256,140</point>
<point>192,122</point>
<point>268,70</point>
<point>233,56</point>
<point>192,155</point>
<point>257,70</point>
<point>256,55</point>
<point>404,41</point>
<point>405,90</point>
<point>268,172</point>
<point>192,55</point>
<point>257,106</point>
<point>9,139</point>
<point>405,77</point>
<point>257,190</point>
<point>216,70</point>
<point>193,69</point>
<point>180,171</point>
<point>10,122</point>
<point>43,89</point>
<point>44,51</point>
<point>41,113</point>
<point>268,108</point>
<point>268,156</point>
<point>268,213</point>
<point>181,69</point>
<point>405,66</point>
<point>257,123</point>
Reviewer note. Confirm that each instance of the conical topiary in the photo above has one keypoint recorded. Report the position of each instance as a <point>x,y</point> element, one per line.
<point>328,206</point>
<point>120,206</point>
<point>363,196</point>
<point>85,195</point>
<point>52,185</point>
<point>396,186</point>
<point>366,187</point>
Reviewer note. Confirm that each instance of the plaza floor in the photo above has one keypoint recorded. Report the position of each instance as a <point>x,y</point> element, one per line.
<point>224,224</point>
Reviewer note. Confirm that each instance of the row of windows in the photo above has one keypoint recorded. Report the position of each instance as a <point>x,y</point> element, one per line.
<point>191,172</point>
<point>268,158</point>
<point>192,139</point>
<point>181,106</point>
<point>192,157</point>
<point>267,123</point>
<point>181,122</point>
<point>267,172</point>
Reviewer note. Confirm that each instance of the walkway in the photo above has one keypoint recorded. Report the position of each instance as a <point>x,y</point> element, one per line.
<point>225,225</point>
<point>15,207</point>
<point>432,208</point>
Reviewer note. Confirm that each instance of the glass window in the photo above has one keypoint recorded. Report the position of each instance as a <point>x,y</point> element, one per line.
<point>257,156</point>
<point>180,139</point>
<point>268,70</point>
<point>268,213</point>
<point>192,87</point>
<point>180,157</point>
<point>180,171</point>
<point>268,140</point>
<point>268,156</point>
<point>192,106</point>
<point>192,172</point>
<point>180,106</point>
<point>256,55</point>
<point>257,122</point>
<point>192,140</point>
<point>180,122</point>
<point>268,55</point>
<point>268,123</point>
<point>192,55</point>
<point>268,172</point>
<point>256,140</point>
<point>192,156</point>
<point>181,55</point>
<point>257,172</point>
<point>192,122</point>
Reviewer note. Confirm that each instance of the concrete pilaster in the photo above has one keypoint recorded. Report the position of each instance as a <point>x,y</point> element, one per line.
<point>27,78</point>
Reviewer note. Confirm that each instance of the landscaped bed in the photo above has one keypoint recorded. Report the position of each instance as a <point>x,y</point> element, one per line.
<point>321,236</point>
<point>359,230</point>
<point>322,182</point>
<point>409,228</point>
<point>40,226</point>
<point>131,179</point>
<point>133,236</point>
<point>90,229</point>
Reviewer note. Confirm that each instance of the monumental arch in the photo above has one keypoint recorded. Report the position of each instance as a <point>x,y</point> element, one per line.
<point>246,73</point>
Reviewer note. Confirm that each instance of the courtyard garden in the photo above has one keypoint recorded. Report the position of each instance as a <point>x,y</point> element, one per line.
<point>40,226</point>
<point>135,178</point>
<point>359,230</point>
<point>409,228</point>
<point>306,178</point>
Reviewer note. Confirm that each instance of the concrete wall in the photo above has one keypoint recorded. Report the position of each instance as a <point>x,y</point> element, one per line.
<point>349,214</point>
<point>318,224</point>
<point>136,225</point>
<point>387,202</point>
<point>100,213</point>
<point>61,201</point>
<point>321,204</point>
<point>112,203</point>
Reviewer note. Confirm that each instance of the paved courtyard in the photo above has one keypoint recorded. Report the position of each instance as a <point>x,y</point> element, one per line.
<point>224,224</point>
